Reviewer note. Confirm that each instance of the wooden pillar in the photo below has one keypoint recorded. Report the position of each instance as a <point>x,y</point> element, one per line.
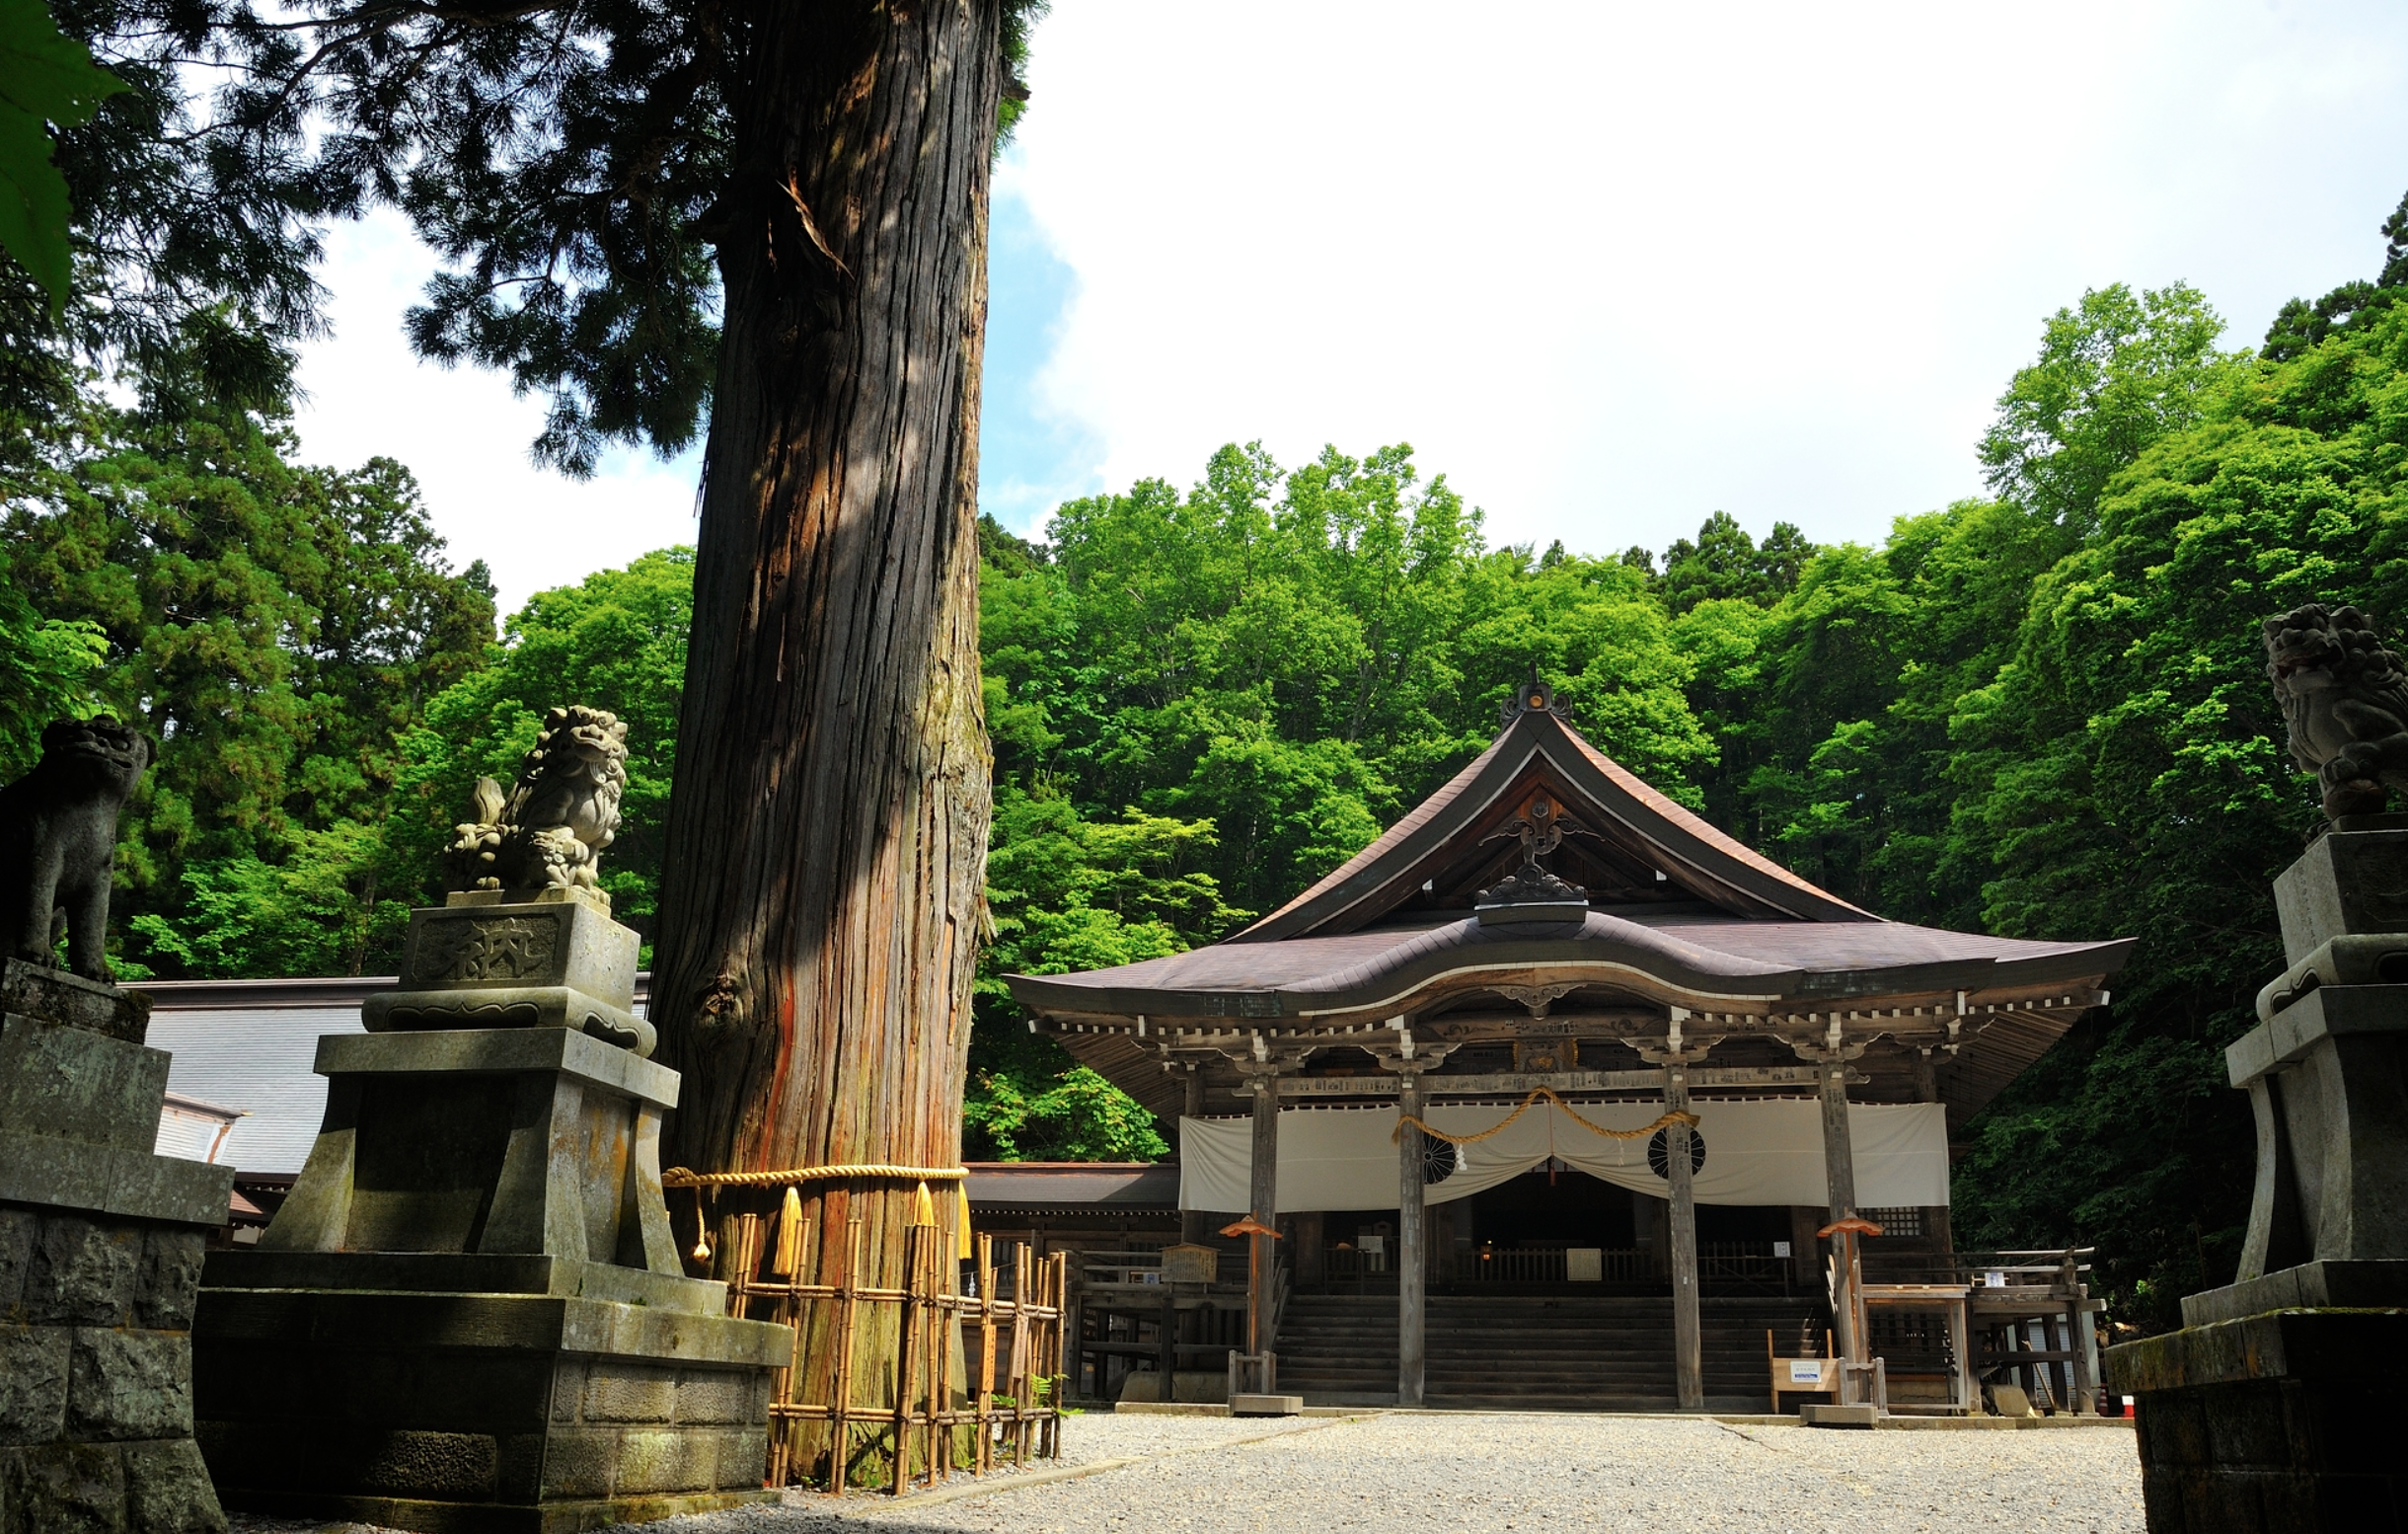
<point>1839,1156</point>
<point>1687,1354</point>
<point>1411,1260</point>
<point>1936,1229</point>
<point>1194,1224</point>
<point>1963,1389</point>
<point>2083,1369</point>
<point>1166,1326</point>
<point>1264,1193</point>
<point>1264,1183</point>
<point>1840,1181</point>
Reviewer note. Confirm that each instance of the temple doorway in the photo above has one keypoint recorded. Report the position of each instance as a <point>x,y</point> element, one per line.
<point>1554,1225</point>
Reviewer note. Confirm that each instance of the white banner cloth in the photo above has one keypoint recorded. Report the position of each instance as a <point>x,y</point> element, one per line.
<point>1758,1151</point>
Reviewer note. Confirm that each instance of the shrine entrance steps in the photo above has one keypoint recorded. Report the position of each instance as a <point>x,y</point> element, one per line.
<point>1526,1352</point>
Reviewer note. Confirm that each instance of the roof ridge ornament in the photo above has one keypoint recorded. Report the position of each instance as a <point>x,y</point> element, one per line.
<point>1531,892</point>
<point>1534,696</point>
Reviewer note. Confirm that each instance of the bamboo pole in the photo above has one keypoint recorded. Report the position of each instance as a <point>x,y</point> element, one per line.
<point>984,1459</point>
<point>840,1406</point>
<point>785,1429</point>
<point>905,1338</point>
<point>1020,1355</point>
<point>948,1327</point>
<point>1411,1222</point>
<point>932,1321</point>
<point>1059,1298</point>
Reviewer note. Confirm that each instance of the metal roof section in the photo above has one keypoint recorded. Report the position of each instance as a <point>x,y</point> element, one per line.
<point>1608,811</point>
<point>251,1045</point>
<point>1121,1186</point>
<point>1753,966</point>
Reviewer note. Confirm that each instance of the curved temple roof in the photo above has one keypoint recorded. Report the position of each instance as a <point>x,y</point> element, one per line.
<point>1679,916</point>
<point>1682,956</point>
<point>1604,800</point>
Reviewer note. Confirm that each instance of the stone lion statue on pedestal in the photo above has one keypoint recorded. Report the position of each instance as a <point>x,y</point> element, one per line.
<point>2344,697</point>
<point>548,831</point>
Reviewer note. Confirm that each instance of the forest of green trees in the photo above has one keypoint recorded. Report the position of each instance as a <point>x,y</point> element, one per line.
<point>2042,712</point>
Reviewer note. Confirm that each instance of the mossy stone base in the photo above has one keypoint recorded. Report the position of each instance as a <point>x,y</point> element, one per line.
<point>459,1412</point>
<point>2278,1423</point>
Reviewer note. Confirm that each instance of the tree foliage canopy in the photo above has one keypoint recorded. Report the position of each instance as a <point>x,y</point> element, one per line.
<point>277,628</point>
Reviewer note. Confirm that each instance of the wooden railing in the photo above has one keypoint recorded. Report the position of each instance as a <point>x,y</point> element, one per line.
<point>1545,1263</point>
<point>917,1428</point>
<point>1742,1264</point>
<point>2057,1270</point>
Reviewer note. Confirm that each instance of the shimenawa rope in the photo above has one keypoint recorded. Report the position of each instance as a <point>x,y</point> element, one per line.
<point>687,1177</point>
<point>684,1177</point>
<point>1554,1097</point>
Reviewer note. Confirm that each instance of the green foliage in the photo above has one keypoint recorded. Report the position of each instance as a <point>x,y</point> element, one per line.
<point>2136,781</point>
<point>1078,1116</point>
<point>1725,563</point>
<point>177,256</point>
<point>1202,703</point>
<point>275,627</point>
<point>44,77</point>
<point>2299,326</point>
<point>2115,374</point>
<point>2047,716</point>
<point>46,669</point>
<point>574,164</point>
<point>616,641</point>
<point>317,912</point>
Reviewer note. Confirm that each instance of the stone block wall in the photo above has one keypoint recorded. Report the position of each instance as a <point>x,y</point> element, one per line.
<point>623,1429</point>
<point>2283,1422</point>
<point>449,1413</point>
<point>2272,1455</point>
<point>96,1353</point>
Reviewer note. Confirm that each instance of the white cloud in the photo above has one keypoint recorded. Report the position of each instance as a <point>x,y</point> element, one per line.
<point>1613,266</point>
<point>466,437</point>
<point>1608,267</point>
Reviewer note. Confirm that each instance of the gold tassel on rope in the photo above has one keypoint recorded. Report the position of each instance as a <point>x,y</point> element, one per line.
<point>789,1236</point>
<point>702,1229</point>
<point>924,1209</point>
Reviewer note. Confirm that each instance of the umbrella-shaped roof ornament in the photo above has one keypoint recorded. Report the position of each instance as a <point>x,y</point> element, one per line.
<point>1249,1226</point>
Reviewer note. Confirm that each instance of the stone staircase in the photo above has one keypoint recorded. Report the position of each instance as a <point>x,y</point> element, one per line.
<point>1524,1353</point>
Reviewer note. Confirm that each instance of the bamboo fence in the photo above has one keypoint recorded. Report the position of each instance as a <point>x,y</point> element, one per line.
<point>924,1427</point>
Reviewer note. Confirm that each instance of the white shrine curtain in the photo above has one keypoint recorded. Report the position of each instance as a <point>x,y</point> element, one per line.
<point>1758,1151</point>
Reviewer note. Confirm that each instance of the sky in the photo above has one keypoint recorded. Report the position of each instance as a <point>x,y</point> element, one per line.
<point>1609,267</point>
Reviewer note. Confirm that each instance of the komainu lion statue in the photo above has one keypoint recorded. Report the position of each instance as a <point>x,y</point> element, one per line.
<point>59,842</point>
<point>550,831</point>
<point>2346,699</point>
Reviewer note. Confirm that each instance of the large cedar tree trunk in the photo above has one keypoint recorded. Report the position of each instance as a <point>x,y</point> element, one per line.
<point>821,902</point>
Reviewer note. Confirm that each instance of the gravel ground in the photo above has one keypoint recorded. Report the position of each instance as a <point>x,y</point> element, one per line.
<point>1087,1437</point>
<point>1485,1474</point>
<point>1531,1472</point>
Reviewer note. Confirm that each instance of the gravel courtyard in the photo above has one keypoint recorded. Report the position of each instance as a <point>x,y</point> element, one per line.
<point>1525,1471</point>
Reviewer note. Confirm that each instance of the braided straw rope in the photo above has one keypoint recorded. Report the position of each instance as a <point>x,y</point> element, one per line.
<point>684,1177</point>
<point>1554,1097</point>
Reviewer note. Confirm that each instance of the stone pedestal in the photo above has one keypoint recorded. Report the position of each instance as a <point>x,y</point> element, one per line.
<point>2282,1422</point>
<point>468,1315</point>
<point>101,1246</point>
<point>2265,1412</point>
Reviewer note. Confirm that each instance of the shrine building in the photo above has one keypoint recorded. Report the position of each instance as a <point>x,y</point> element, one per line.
<point>1543,962</point>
